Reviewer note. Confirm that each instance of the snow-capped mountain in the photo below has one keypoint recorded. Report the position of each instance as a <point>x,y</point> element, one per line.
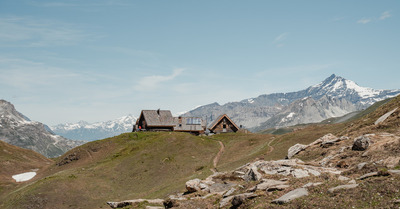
<point>18,130</point>
<point>94,131</point>
<point>333,97</point>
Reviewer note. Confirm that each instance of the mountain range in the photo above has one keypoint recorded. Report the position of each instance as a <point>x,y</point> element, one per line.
<point>333,97</point>
<point>19,130</point>
<point>94,131</point>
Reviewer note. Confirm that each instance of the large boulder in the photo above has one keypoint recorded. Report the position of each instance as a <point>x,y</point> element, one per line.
<point>361,143</point>
<point>193,185</point>
<point>293,150</point>
<point>240,198</point>
<point>252,174</point>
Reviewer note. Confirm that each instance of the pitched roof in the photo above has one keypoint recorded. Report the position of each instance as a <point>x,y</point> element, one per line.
<point>215,122</point>
<point>158,117</point>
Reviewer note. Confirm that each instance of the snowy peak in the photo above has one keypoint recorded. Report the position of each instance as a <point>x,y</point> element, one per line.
<point>94,131</point>
<point>7,110</point>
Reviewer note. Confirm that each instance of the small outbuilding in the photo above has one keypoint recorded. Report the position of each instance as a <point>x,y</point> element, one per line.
<point>223,124</point>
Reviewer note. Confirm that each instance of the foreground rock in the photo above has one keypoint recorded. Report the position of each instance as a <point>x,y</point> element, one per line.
<point>137,201</point>
<point>361,143</point>
<point>297,193</point>
<point>342,187</point>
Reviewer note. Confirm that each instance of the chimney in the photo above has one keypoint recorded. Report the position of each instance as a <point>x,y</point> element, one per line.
<point>158,111</point>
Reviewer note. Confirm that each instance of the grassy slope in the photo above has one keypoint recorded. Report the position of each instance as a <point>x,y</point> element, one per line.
<point>142,165</point>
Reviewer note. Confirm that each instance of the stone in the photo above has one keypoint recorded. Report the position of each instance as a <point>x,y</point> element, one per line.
<point>394,171</point>
<point>361,165</point>
<point>218,187</point>
<point>293,150</point>
<point>368,175</point>
<point>277,188</point>
<point>154,207</point>
<point>170,203</point>
<point>229,192</point>
<point>312,184</point>
<point>314,172</point>
<point>252,174</point>
<point>343,178</point>
<point>347,186</point>
<point>300,173</point>
<point>193,185</point>
<point>361,143</point>
<point>131,202</point>
<point>240,198</point>
<point>294,194</point>
<point>268,183</point>
<point>352,182</point>
<point>225,201</point>
<point>384,117</point>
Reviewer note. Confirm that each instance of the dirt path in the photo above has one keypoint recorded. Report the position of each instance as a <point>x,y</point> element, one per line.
<point>271,148</point>
<point>217,157</point>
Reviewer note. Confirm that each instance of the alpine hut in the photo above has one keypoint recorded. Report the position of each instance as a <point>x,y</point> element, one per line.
<point>155,120</point>
<point>223,124</point>
<point>193,125</point>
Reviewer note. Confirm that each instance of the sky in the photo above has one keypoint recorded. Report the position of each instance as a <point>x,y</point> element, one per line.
<point>97,60</point>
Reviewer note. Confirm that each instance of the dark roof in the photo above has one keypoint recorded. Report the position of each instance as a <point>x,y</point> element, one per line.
<point>158,117</point>
<point>215,122</point>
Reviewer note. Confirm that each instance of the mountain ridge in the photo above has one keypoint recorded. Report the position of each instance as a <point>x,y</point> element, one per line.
<point>252,113</point>
<point>18,130</point>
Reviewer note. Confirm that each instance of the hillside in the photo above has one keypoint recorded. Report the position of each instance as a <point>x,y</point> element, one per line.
<point>15,160</point>
<point>132,165</point>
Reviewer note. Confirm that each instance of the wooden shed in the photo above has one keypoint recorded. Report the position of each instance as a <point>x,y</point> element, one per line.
<point>223,124</point>
<point>155,120</point>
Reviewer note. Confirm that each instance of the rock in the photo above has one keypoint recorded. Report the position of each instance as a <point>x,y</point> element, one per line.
<point>131,202</point>
<point>352,182</point>
<point>293,150</point>
<point>312,184</point>
<point>394,171</point>
<point>252,174</point>
<point>218,187</point>
<point>170,203</point>
<point>361,165</point>
<point>368,175</point>
<point>154,207</point>
<point>277,187</point>
<point>193,185</point>
<point>240,198</point>
<point>347,186</point>
<point>361,143</point>
<point>300,173</point>
<point>343,178</point>
<point>384,117</point>
<point>268,183</point>
<point>229,192</point>
<point>225,201</point>
<point>313,172</point>
<point>300,192</point>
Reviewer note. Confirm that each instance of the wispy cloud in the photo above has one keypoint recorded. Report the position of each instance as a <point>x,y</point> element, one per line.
<point>152,82</point>
<point>364,20</point>
<point>385,15</point>
<point>280,39</point>
<point>31,32</point>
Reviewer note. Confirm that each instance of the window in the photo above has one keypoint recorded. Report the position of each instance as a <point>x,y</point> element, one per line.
<point>193,121</point>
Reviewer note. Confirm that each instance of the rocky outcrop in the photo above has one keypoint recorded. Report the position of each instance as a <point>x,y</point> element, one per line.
<point>293,150</point>
<point>132,202</point>
<point>342,187</point>
<point>297,193</point>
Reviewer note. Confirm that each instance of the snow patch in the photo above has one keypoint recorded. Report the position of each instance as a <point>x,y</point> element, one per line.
<point>251,101</point>
<point>24,176</point>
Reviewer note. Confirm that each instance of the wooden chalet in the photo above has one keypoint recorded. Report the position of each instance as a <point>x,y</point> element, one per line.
<point>223,124</point>
<point>162,120</point>
<point>155,120</point>
<point>192,125</point>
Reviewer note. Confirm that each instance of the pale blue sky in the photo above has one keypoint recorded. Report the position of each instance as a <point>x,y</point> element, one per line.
<point>65,61</point>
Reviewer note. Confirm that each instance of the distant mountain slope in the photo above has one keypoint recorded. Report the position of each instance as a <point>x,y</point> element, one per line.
<point>95,131</point>
<point>333,97</point>
<point>18,130</point>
